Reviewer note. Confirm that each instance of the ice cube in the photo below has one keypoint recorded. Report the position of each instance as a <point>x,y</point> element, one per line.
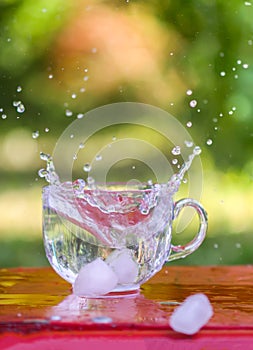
<point>95,279</point>
<point>192,314</point>
<point>122,263</point>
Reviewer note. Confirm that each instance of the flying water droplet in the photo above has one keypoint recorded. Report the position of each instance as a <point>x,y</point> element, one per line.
<point>189,124</point>
<point>209,142</point>
<point>188,143</point>
<point>245,66</point>
<point>193,103</point>
<point>239,61</point>
<point>81,145</point>
<point>189,92</point>
<point>87,167</point>
<point>222,74</point>
<point>98,157</point>
<point>35,134</point>
<point>174,161</point>
<point>197,150</point>
<point>80,115</point>
<point>46,129</point>
<point>68,113</point>
<point>20,108</point>
<point>176,150</point>
<point>247,3</point>
<point>19,89</point>
<point>73,96</point>
<point>4,116</point>
<point>50,76</point>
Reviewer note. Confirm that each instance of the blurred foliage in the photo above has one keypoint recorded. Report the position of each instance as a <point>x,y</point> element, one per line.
<point>59,59</point>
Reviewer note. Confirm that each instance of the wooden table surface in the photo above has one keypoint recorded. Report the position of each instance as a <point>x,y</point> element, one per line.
<point>38,311</point>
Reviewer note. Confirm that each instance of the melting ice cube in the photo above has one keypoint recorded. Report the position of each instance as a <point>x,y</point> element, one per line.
<point>123,265</point>
<point>95,279</point>
<point>192,314</point>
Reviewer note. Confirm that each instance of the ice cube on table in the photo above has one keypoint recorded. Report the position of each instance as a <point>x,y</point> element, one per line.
<point>95,279</point>
<point>192,314</point>
<point>123,265</point>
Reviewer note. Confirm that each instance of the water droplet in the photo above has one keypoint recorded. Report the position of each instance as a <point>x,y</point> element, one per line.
<point>221,115</point>
<point>50,76</point>
<point>250,42</point>
<point>8,40</point>
<point>81,145</point>
<point>20,108</point>
<point>209,142</point>
<point>98,157</point>
<point>215,120</point>
<point>1,109</point>
<point>196,150</point>
<point>101,319</point>
<point>71,136</point>
<point>176,150</point>
<point>4,116</point>
<point>82,89</point>
<point>80,115</point>
<point>189,92</point>
<point>189,124</point>
<point>233,108</point>
<point>133,167</point>
<point>68,113</point>
<point>73,96</point>
<point>44,10</point>
<point>90,180</point>
<point>55,318</point>
<point>86,78</point>
<point>75,156</point>
<point>236,76</point>
<point>193,103</point>
<point>238,245</point>
<point>222,74</point>
<point>35,134</point>
<point>45,157</point>
<point>42,173</point>
<point>185,181</point>
<point>114,138</point>
<point>233,69</point>
<point>188,143</point>
<point>222,54</point>
<point>19,89</point>
<point>46,129</point>
<point>174,161</point>
<point>85,70</point>
<point>216,245</point>
<point>247,3</point>
<point>239,61</point>
<point>245,66</point>
<point>87,167</point>
<point>230,112</point>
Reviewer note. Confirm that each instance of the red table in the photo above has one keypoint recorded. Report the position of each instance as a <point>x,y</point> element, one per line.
<point>39,312</point>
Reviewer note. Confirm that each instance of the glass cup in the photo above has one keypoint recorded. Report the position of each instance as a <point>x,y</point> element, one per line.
<point>128,228</point>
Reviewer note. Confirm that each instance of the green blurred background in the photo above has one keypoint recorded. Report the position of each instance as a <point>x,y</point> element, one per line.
<point>61,58</point>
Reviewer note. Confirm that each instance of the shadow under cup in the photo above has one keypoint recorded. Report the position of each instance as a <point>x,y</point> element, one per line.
<point>128,229</point>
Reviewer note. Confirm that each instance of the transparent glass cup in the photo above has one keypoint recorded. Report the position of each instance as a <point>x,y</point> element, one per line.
<point>130,229</point>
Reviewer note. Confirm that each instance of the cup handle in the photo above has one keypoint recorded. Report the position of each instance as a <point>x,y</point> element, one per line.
<point>178,251</point>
